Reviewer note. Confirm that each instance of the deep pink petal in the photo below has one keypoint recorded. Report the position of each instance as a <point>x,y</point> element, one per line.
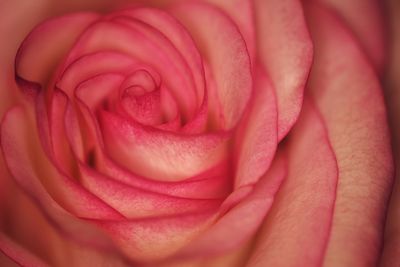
<point>224,50</point>
<point>296,230</point>
<point>285,49</point>
<point>349,96</point>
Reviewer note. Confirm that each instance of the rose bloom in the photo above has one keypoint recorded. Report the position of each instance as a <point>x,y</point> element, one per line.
<point>196,133</point>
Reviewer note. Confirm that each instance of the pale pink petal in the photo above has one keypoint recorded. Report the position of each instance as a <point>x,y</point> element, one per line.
<point>285,49</point>
<point>296,230</point>
<point>135,202</point>
<point>17,152</point>
<point>34,172</point>
<point>161,155</point>
<point>224,50</point>
<point>156,238</point>
<point>349,96</point>
<point>244,218</point>
<point>257,133</point>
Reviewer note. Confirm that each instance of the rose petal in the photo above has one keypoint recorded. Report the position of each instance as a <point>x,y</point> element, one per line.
<point>224,49</point>
<point>243,218</point>
<point>46,45</point>
<point>285,49</point>
<point>366,20</point>
<point>349,96</point>
<point>156,238</point>
<point>297,228</point>
<point>257,135</point>
<point>138,202</point>
<point>14,146</point>
<point>18,254</point>
<point>144,44</point>
<point>160,155</point>
<point>33,171</point>
<point>178,36</point>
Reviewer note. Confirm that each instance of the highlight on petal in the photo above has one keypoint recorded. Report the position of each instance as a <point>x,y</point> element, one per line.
<point>350,99</point>
<point>285,49</point>
<point>297,228</point>
<point>160,155</point>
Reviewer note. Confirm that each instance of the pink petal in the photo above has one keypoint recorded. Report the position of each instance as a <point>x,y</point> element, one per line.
<point>18,254</point>
<point>296,230</point>
<point>257,136</point>
<point>243,218</point>
<point>144,44</point>
<point>349,96</point>
<point>46,45</point>
<point>285,49</point>
<point>17,152</point>
<point>178,36</point>
<point>36,175</point>
<point>242,13</point>
<point>224,50</point>
<point>213,183</point>
<point>135,202</point>
<point>155,239</point>
<point>160,155</point>
<point>365,19</point>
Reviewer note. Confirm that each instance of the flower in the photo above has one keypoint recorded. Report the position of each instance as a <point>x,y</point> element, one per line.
<point>172,132</point>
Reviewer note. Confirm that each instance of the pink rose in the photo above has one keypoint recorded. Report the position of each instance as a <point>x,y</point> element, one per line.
<point>195,133</point>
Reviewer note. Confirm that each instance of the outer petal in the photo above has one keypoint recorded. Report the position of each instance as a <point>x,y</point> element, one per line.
<point>391,249</point>
<point>349,96</point>
<point>285,49</point>
<point>46,45</point>
<point>297,228</point>
<point>366,20</point>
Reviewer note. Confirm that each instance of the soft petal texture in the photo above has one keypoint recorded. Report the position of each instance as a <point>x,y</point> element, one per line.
<point>296,231</point>
<point>257,133</point>
<point>161,155</point>
<point>223,48</point>
<point>391,249</point>
<point>357,127</point>
<point>365,19</point>
<point>57,43</point>
<point>40,238</point>
<point>285,49</point>
<point>244,217</point>
<point>15,147</point>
